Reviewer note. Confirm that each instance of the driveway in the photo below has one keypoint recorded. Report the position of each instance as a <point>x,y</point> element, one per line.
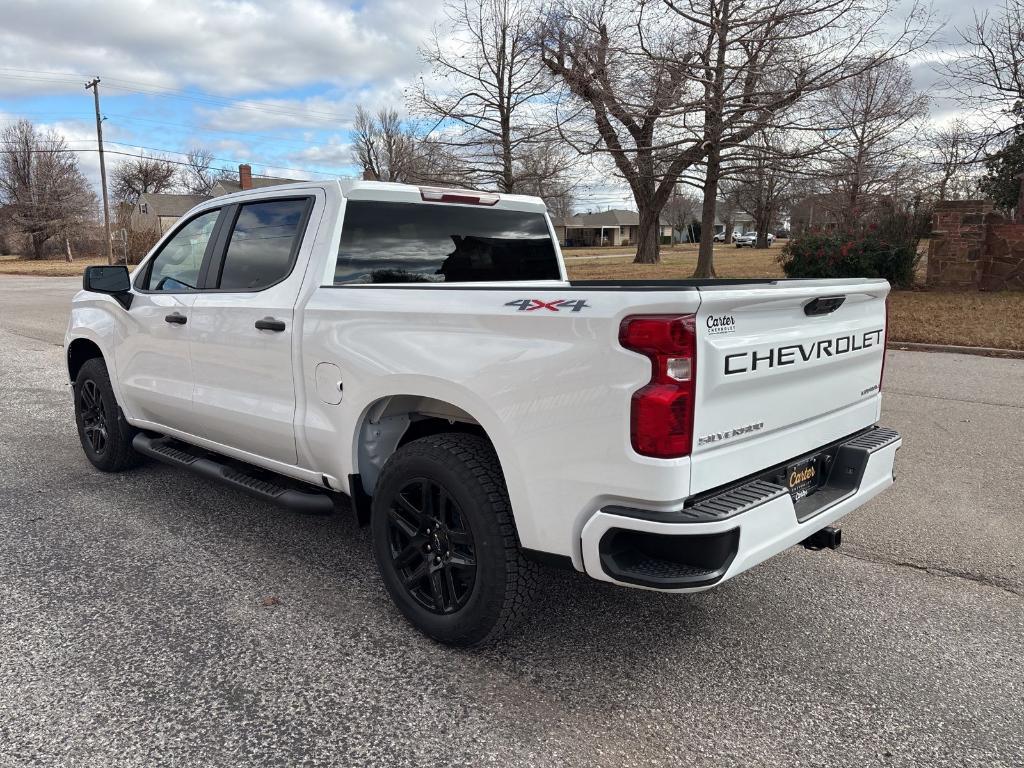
<point>154,618</point>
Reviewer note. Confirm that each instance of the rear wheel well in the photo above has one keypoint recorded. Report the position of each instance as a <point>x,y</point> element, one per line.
<point>395,421</point>
<point>80,351</point>
<point>427,426</point>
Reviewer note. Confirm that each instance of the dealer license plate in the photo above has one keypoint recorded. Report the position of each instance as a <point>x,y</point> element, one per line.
<point>804,477</point>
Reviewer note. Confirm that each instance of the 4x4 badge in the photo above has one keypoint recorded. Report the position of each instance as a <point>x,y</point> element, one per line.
<point>530,305</point>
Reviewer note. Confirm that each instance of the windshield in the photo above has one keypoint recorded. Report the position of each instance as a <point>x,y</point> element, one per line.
<point>427,243</point>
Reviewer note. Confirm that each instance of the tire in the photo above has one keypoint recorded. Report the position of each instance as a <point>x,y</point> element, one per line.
<point>106,436</point>
<point>445,493</point>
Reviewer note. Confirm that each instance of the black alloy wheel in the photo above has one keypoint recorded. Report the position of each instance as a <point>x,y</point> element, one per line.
<point>105,435</point>
<point>445,541</point>
<point>431,546</point>
<point>94,417</point>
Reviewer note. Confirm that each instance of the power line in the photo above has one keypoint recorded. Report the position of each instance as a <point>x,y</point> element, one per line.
<point>174,162</point>
<point>149,89</point>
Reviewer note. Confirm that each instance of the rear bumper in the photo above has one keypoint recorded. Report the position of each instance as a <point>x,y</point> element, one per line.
<point>725,532</point>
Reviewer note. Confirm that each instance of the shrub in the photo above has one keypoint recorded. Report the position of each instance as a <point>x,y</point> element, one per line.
<point>858,254</point>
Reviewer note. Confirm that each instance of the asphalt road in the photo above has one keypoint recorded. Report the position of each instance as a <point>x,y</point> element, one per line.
<point>133,629</point>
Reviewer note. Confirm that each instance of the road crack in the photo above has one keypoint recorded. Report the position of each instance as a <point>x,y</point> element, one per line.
<point>946,573</point>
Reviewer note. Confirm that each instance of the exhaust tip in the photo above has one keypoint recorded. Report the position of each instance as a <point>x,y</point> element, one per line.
<point>826,538</point>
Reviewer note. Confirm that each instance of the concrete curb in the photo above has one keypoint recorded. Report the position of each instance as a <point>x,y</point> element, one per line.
<point>913,346</point>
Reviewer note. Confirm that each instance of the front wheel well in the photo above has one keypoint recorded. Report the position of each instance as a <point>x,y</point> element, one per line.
<point>79,352</point>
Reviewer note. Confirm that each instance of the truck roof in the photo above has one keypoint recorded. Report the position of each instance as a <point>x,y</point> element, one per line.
<point>387,191</point>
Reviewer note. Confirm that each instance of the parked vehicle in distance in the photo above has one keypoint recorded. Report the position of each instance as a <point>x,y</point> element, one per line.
<point>749,240</point>
<point>719,237</point>
<point>420,353</point>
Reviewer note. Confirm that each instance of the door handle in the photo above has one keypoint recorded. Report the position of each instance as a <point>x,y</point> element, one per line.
<point>270,324</point>
<point>176,318</point>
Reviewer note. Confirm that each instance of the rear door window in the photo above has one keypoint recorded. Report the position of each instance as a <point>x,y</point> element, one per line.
<point>263,243</point>
<point>425,243</point>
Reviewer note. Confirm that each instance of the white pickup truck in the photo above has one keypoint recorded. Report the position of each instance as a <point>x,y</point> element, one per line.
<point>422,352</point>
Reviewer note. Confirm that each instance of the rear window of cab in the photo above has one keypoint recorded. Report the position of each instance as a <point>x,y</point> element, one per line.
<point>384,242</point>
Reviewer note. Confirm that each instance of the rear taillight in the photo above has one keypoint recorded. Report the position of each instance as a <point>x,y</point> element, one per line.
<point>885,345</point>
<point>661,413</point>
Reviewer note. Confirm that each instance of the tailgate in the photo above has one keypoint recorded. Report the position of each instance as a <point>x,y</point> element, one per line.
<point>781,370</point>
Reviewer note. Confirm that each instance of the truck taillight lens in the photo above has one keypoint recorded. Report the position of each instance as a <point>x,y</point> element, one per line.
<point>885,345</point>
<point>661,413</point>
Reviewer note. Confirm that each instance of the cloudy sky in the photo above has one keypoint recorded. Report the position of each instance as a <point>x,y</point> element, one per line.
<point>273,83</point>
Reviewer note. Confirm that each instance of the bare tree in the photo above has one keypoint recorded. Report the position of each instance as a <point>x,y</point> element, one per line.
<point>762,176</point>
<point>381,145</point>
<point>681,81</point>
<point>389,150</point>
<point>681,210</point>
<point>544,171</point>
<point>142,175</point>
<point>953,151</point>
<point>487,87</point>
<point>198,176</point>
<point>43,193</point>
<point>870,124</point>
<point>987,72</point>
<point>625,78</point>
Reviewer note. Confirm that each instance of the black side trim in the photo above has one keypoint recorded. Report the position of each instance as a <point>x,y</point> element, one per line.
<point>256,482</point>
<point>562,562</point>
<point>667,561</point>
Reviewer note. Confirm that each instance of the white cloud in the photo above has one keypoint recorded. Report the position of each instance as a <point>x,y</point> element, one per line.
<point>226,47</point>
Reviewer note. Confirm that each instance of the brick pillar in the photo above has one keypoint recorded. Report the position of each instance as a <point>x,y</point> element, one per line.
<point>957,242</point>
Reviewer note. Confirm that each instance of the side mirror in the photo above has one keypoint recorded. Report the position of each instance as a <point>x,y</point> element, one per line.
<point>114,281</point>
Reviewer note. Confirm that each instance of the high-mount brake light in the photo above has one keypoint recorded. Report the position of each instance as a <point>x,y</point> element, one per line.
<point>464,196</point>
<point>661,412</point>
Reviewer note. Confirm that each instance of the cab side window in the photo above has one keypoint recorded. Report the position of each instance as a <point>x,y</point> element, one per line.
<point>263,244</point>
<point>176,267</point>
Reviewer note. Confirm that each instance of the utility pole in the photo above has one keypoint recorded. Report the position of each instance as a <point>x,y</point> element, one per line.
<point>94,84</point>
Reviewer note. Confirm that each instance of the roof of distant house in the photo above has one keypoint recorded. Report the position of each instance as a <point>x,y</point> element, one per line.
<point>616,217</point>
<point>162,204</point>
<point>227,186</point>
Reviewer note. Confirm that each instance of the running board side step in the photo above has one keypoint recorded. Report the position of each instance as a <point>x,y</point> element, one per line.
<point>180,455</point>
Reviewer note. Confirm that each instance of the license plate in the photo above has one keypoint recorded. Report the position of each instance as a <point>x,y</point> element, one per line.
<point>804,477</point>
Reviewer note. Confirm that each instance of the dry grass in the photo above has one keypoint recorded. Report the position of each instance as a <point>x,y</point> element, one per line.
<point>967,318</point>
<point>676,263</point>
<point>48,267</point>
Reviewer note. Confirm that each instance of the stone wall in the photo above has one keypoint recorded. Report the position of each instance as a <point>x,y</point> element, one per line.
<point>973,247</point>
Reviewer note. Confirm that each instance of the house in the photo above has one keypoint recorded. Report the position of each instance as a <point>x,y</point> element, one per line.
<point>157,211</point>
<point>246,181</point>
<point>814,212</point>
<point>615,227</point>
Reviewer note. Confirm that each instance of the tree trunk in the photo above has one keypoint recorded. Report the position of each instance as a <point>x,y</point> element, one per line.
<point>648,237</point>
<point>36,242</point>
<point>763,222</point>
<point>67,245</point>
<point>706,253</point>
